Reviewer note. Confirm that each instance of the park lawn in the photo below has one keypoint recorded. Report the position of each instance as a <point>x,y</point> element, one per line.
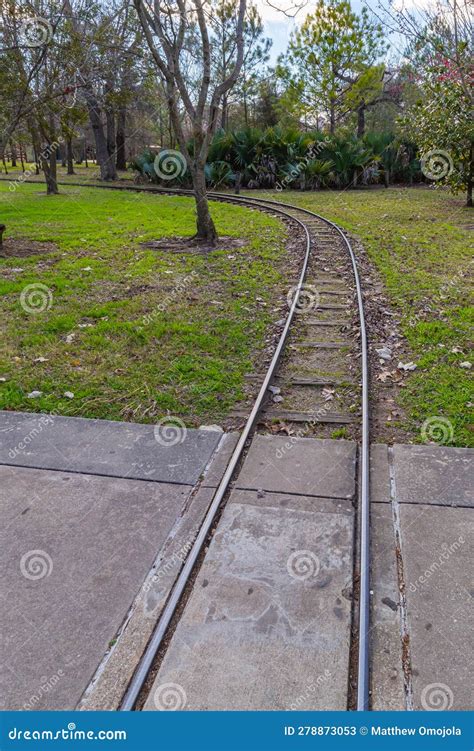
<point>420,243</point>
<point>132,333</point>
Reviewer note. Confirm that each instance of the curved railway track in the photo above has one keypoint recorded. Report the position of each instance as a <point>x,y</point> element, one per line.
<point>324,243</point>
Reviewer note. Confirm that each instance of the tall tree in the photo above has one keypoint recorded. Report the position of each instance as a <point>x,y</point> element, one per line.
<point>256,53</point>
<point>195,99</point>
<point>329,67</point>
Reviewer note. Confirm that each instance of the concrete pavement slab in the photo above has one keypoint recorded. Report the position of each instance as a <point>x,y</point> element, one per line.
<point>110,683</point>
<point>434,475</point>
<point>379,473</point>
<point>305,466</point>
<point>437,547</point>
<point>104,447</point>
<point>73,555</point>
<point>220,459</point>
<point>387,682</point>
<point>267,625</point>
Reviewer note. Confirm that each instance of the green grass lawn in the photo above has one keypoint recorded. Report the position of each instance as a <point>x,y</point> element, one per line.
<point>420,243</point>
<point>106,339</point>
<point>132,333</point>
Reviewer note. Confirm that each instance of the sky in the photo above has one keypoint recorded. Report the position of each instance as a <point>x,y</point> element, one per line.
<point>279,27</point>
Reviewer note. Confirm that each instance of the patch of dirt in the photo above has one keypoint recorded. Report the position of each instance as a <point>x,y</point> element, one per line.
<point>383,331</point>
<point>194,246</point>
<point>22,247</point>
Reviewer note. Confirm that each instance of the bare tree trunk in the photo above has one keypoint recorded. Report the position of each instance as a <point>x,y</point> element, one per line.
<point>50,171</point>
<point>110,125</point>
<point>332,118</point>
<point>206,230</point>
<point>224,114</point>
<point>69,156</point>
<point>121,161</point>
<point>470,179</point>
<point>106,163</point>
<point>361,121</point>
<point>13,148</point>
<point>2,156</point>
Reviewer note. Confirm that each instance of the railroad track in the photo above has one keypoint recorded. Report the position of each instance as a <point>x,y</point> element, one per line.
<point>320,363</point>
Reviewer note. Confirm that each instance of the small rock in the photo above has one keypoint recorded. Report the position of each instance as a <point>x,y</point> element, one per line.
<point>41,359</point>
<point>69,394</point>
<point>467,365</point>
<point>216,428</point>
<point>385,353</point>
<point>87,268</point>
<point>407,366</point>
<point>281,322</point>
<point>34,394</point>
<point>274,390</point>
<point>70,337</point>
<point>277,398</point>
